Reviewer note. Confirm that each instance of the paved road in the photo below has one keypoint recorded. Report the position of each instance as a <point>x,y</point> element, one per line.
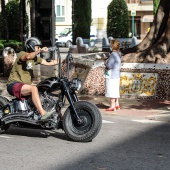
<point>124,143</point>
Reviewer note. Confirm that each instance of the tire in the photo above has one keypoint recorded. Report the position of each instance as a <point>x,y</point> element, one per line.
<point>92,122</point>
<point>3,102</point>
<point>68,44</point>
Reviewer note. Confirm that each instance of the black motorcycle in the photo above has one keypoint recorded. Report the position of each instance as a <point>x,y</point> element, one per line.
<point>81,121</point>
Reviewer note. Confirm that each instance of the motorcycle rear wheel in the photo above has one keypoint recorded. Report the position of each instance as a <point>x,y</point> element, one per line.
<point>92,122</point>
<point>3,102</point>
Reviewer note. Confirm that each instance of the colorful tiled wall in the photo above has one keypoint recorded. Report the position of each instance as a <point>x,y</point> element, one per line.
<point>138,80</point>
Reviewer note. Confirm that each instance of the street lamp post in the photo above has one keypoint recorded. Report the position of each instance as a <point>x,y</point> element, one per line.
<point>73,19</point>
<point>133,14</point>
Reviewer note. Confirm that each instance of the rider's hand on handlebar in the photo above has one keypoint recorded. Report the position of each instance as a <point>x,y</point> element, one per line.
<point>44,49</point>
<point>63,61</point>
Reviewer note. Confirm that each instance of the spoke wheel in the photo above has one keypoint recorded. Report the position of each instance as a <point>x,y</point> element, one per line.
<point>89,126</point>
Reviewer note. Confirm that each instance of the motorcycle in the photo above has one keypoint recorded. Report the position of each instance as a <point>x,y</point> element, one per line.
<point>81,120</point>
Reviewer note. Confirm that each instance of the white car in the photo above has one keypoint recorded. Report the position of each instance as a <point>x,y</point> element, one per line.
<point>65,39</point>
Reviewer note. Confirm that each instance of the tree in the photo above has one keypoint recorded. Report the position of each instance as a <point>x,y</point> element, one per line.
<point>23,18</point>
<point>21,7</point>
<point>82,19</point>
<point>155,5</point>
<point>16,20</point>
<point>4,26</point>
<point>32,12</point>
<point>155,47</point>
<point>117,19</point>
<point>12,9</point>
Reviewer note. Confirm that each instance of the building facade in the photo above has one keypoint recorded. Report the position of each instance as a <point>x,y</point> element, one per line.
<point>63,16</point>
<point>142,20</point>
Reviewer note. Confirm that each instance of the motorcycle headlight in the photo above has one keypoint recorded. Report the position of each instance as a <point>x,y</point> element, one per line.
<point>75,84</point>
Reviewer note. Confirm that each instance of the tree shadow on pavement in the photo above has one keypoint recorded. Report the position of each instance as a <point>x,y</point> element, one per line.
<point>139,104</point>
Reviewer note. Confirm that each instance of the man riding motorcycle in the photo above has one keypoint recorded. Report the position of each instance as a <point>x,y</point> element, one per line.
<point>19,83</point>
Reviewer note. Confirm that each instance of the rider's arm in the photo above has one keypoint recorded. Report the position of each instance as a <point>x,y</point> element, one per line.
<point>29,56</point>
<point>32,55</point>
<point>51,63</point>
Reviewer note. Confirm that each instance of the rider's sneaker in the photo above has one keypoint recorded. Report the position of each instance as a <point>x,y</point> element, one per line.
<point>48,114</point>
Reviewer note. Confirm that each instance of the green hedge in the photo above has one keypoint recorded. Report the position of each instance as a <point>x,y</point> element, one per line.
<point>1,46</point>
<point>17,46</point>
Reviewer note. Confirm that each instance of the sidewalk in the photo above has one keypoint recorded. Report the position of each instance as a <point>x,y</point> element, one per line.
<point>148,109</point>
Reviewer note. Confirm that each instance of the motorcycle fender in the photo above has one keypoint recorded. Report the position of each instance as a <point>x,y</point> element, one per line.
<point>5,98</point>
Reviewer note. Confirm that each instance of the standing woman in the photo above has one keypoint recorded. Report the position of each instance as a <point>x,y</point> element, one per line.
<point>112,76</point>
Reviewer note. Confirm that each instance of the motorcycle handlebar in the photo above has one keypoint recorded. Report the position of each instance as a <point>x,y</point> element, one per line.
<point>52,48</point>
<point>68,59</point>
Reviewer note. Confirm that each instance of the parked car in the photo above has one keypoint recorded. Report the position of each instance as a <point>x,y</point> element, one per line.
<point>64,39</point>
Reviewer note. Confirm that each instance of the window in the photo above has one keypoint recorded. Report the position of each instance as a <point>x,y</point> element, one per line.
<point>60,10</point>
<point>132,1</point>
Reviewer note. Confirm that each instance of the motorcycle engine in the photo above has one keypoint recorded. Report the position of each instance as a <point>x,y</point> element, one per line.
<point>48,102</point>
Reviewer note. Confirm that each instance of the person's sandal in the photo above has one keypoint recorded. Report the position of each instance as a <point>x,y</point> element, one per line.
<point>111,109</point>
<point>117,107</point>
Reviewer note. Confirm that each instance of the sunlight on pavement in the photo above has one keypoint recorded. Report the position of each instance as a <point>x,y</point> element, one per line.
<point>106,121</point>
<point>147,121</point>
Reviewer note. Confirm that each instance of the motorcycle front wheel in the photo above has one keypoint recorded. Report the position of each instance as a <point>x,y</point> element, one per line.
<point>3,102</point>
<point>91,122</point>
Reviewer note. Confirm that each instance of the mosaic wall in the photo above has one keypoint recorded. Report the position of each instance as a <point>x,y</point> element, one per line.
<point>143,84</point>
<point>151,81</point>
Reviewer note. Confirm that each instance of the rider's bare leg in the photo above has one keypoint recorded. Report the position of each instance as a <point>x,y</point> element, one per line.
<point>33,91</point>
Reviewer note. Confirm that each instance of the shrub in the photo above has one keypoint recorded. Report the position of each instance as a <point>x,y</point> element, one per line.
<point>118,19</point>
<point>82,19</point>
<point>17,46</point>
<point>1,46</point>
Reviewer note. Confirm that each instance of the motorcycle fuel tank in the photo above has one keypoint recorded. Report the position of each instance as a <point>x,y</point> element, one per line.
<point>49,84</point>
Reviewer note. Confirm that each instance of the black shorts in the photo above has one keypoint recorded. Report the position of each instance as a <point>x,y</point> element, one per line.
<point>10,87</point>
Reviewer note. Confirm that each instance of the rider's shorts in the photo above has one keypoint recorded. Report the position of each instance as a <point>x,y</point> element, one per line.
<point>14,89</point>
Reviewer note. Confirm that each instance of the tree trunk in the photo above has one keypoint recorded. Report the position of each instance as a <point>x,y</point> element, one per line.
<point>32,18</point>
<point>21,19</point>
<point>155,47</point>
<point>4,22</point>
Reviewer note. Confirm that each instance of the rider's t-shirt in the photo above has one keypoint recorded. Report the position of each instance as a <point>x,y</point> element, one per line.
<point>22,71</point>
